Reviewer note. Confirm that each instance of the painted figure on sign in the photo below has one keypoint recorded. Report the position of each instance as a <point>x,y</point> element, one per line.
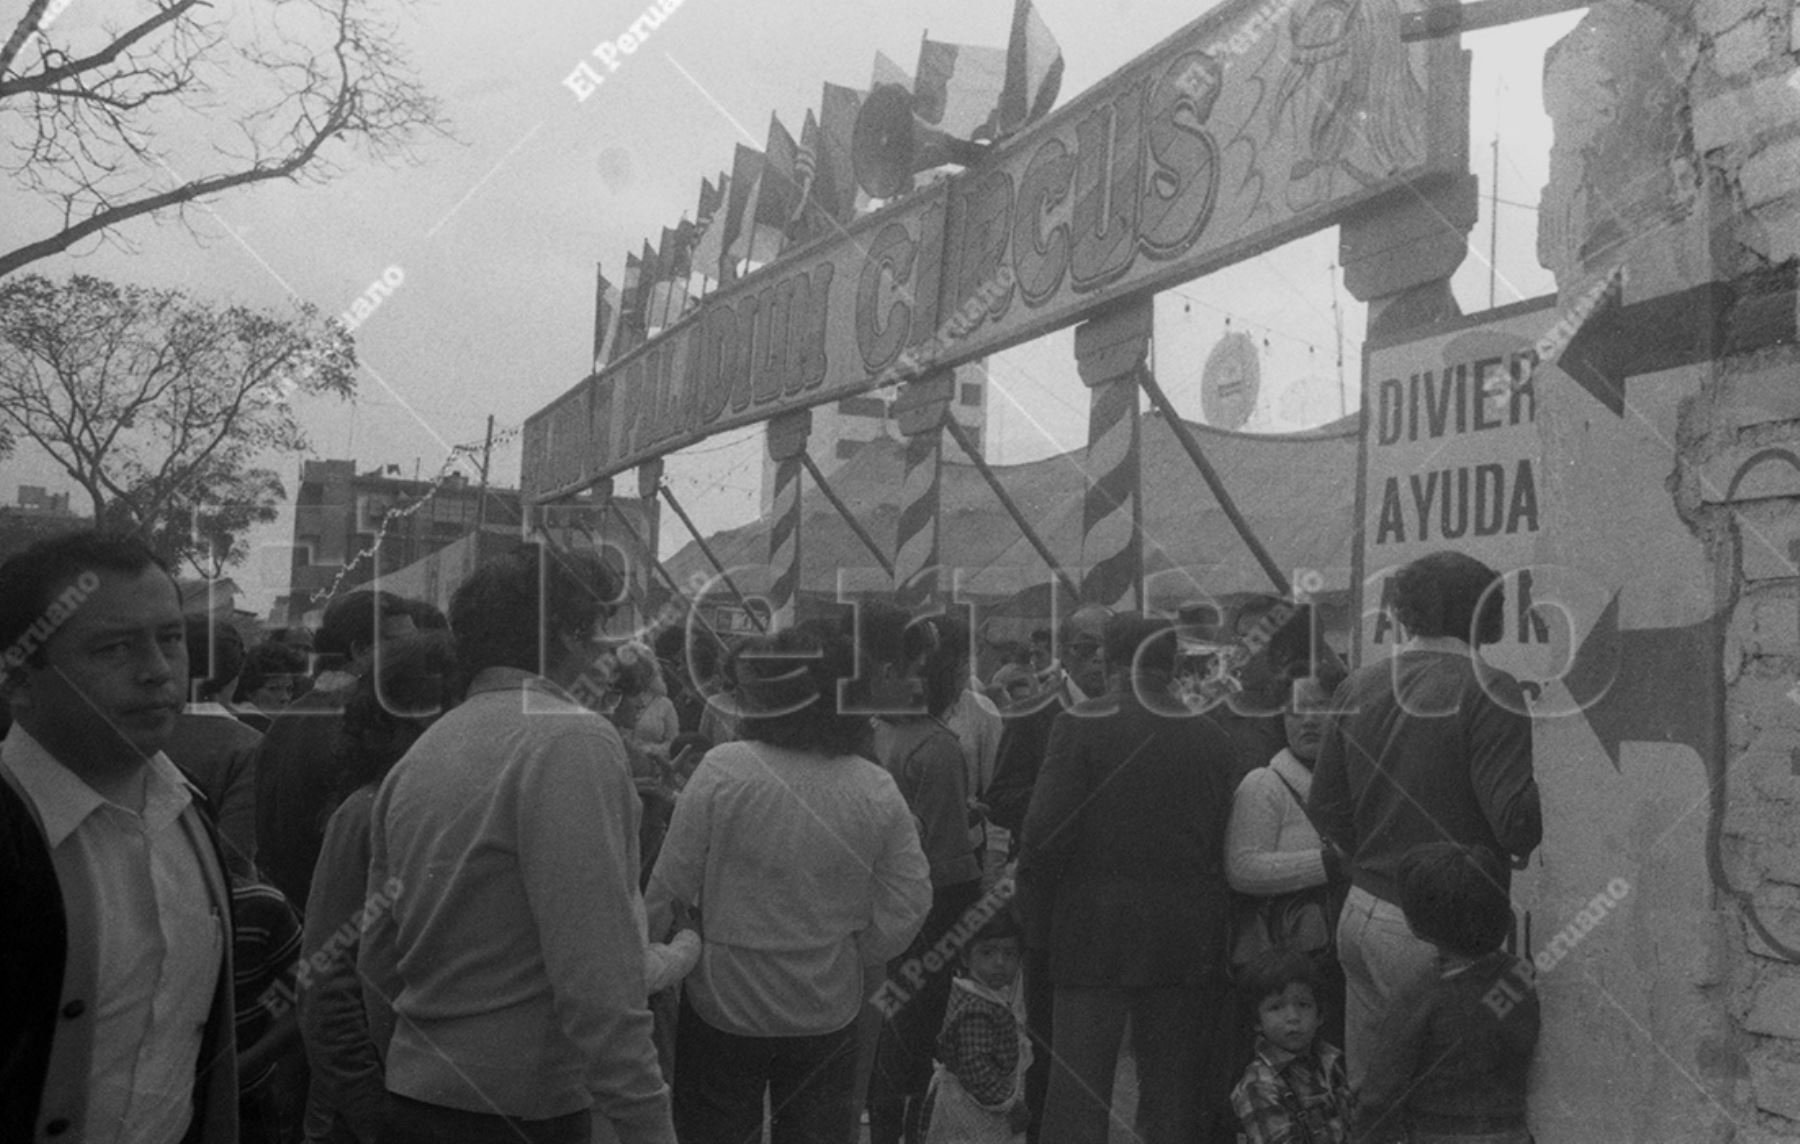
<point>1349,95</point>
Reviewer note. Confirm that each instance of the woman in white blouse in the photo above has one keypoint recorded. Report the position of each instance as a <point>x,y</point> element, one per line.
<point>1271,846</point>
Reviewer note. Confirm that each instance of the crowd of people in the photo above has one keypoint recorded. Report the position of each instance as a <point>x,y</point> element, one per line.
<point>497,876</point>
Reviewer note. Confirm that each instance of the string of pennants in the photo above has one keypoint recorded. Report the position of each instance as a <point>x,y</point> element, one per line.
<point>797,190</point>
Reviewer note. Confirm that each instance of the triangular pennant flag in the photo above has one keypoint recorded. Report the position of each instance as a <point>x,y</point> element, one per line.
<point>837,170</point>
<point>659,280</point>
<point>889,72</point>
<point>640,313</point>
<point>803,224</point>
<point>630,300</point>
<point>710,249</point>
<point>681,262</point>
<point>1034,69</point>
<point>776,196</point>
<point>740,211</point>
<point>681,270</point>
<point>708,205</point>
<point>958,88</point>
<point>606,318</point>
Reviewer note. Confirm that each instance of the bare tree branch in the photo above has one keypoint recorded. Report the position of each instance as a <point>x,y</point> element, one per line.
<point>49,77</point>
<point>28,24</point>
<point>112,131</point>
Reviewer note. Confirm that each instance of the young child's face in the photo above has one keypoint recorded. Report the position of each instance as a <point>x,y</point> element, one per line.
<point>1290,1019</point>
<point>995,962</point>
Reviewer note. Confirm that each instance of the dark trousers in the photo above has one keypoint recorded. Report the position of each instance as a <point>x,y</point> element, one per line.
<point>1176,1034</point>
<point>415,1122</point>
<point>720,1080</point>
<point>1040,997</point>
<point>908,1038</point>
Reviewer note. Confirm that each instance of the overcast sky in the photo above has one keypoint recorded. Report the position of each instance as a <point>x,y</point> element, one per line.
<point>496,234</point>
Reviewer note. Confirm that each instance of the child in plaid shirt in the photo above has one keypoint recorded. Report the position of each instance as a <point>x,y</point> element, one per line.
<point>1295,1090</point>
<point>977,1095</point>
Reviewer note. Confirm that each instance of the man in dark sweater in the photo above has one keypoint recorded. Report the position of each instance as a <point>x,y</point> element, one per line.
<point>213,749</point>
<point>1431,746</point>
<point>295,765</point>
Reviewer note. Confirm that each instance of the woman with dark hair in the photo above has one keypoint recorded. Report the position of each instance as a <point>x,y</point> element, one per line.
<point>1432,745</point>
<point>1273,853</point>
<point>806,866</point>
<point>416,681</point>
<point>271,671</point>
<point>921,668</point>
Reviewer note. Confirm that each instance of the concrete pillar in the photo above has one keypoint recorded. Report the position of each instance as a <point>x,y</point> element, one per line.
<point>1110,350</point>
<point>920,411</point>
<point>787,443</point>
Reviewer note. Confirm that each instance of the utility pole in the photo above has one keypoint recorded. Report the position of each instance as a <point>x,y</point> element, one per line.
<point>487,450</point>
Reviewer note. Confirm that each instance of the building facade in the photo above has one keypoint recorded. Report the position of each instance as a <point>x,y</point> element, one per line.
<point>351,529</point>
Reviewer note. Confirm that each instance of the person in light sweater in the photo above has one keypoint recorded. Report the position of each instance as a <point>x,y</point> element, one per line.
<point>806,866</point>
<point>512,952</point>
<point>1272,848</point>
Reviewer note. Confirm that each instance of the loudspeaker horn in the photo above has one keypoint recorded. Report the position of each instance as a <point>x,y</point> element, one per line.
<point>889,144</point>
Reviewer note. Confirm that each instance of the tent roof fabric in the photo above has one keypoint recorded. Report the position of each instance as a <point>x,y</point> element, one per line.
<point>1296,490</point>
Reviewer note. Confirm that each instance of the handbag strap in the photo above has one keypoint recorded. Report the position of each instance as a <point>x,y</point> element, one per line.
<point>1295,791</point>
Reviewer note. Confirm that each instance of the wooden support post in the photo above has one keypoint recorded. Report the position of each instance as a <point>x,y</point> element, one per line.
<point>787,448</point>
<point>1110,352</point>
<point>921,410</point>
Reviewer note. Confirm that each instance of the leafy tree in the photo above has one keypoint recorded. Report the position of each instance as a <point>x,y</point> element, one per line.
<point>109,121</point>
<point>159,404</point>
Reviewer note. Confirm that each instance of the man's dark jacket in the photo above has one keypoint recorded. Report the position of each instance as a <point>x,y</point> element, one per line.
<point>296,774</point>
<point>42,966</point>
<point>1122,867</point>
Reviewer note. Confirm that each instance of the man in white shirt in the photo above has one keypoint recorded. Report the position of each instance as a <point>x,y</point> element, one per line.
<point>115,978</point>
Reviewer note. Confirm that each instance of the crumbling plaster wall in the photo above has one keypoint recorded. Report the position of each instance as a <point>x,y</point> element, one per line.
<point>1677,155</point>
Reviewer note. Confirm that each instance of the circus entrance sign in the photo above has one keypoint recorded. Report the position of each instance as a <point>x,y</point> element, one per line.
<point>1192,157</point>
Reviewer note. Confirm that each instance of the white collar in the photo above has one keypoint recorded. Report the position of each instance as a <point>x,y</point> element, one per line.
<point>64,801</point>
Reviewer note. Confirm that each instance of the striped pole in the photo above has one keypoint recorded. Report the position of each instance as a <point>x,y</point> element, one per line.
<point>787,448</point>
<point>649,481</point>
<point>1110,352</point>
<point>920,411</point>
